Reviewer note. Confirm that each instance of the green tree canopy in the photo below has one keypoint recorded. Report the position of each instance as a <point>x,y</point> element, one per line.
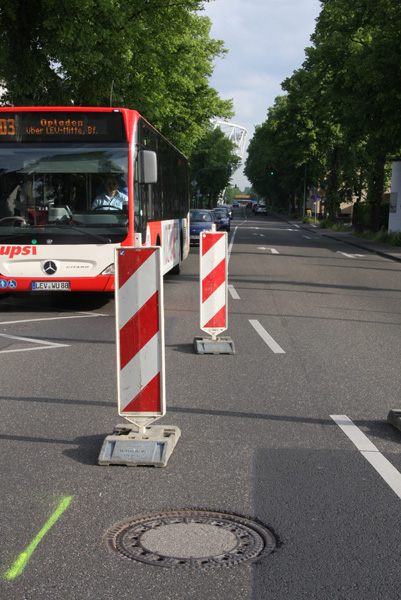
<point>356,54</point>
<point>341,115</point>
<point>212,163</point>
<point>153,56</point>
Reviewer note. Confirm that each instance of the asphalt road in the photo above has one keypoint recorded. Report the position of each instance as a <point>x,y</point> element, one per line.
<point>316,326</point>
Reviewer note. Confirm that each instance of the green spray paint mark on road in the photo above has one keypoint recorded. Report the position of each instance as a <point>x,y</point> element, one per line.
<point>21,562</point>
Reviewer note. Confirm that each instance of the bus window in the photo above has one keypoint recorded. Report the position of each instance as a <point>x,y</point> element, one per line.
<point>46,183</point>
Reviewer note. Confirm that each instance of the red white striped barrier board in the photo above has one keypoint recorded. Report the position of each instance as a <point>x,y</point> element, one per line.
<point>213,274</point>
<point>140,334</point>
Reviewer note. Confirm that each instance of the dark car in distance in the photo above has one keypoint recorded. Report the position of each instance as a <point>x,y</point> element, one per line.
<point>229,208</point>
<point>224,220</point>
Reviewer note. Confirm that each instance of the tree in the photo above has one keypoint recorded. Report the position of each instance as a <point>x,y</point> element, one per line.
<point>341,116</point>
<point>280,151</point>
<point>153,56</point>
<point>212,163</point>
<point>359,46</point>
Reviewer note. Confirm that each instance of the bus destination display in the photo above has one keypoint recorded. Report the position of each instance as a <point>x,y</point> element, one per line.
<point>90,127</point>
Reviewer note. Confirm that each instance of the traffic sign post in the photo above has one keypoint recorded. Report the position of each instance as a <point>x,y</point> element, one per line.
<point>140,362</point>
<point>213,294</point>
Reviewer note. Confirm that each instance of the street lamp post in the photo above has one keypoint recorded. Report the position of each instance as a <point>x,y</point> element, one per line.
<point>194,184</point>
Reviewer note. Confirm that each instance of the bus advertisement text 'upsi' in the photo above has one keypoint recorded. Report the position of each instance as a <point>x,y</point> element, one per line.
<point>12,251</point>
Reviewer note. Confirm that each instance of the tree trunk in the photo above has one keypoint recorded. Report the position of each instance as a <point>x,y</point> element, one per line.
<point>332,194</point>
<point>376,190</point>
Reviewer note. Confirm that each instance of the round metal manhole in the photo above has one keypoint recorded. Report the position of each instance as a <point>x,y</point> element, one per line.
<point>190,538</point>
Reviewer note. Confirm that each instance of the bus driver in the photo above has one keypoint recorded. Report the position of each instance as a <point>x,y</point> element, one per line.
<point>112,199</point>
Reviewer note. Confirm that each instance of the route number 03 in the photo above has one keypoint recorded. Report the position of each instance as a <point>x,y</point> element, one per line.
<point>7,126</point>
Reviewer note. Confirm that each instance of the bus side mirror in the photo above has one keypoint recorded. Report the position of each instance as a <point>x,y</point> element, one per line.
<point>148,166</point>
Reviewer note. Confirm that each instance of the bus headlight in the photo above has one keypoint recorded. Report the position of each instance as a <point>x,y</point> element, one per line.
<point>109,270</point>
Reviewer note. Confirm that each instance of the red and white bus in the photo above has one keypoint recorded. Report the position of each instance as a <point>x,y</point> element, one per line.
<point>54,164</point>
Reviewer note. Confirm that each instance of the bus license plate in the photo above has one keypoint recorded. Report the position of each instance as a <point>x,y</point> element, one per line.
<point>52,286</point>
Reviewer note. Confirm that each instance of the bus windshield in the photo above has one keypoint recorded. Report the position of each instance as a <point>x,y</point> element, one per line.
<point>65,193</point>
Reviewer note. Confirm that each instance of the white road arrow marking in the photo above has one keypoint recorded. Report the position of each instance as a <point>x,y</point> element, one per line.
<point>272,250</point>
<point>350,255</point>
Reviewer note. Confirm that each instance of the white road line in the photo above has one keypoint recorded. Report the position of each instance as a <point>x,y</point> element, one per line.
<point>230,247</point>
<point>369,451</point>
<point>42,345</point>
<point>82,316</point>
<point>267,338</point>
<point>356,436</point>
<point>233,292</point>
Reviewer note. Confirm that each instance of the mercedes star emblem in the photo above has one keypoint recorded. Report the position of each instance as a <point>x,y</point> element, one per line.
<point>49,267</point>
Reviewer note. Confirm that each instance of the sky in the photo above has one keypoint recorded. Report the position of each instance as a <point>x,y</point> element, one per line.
<point>266,40</point>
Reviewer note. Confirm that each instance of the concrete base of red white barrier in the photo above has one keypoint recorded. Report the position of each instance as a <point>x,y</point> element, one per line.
<point>208,345</point>
<point>126,446</point>
<point>394,418</point>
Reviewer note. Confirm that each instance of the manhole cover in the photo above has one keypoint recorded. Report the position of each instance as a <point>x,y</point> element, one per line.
<point>190,538</point>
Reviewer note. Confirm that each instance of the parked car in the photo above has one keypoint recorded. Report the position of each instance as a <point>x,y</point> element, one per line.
<point>224,218</point>
<point>200,220</point>
<point>260,209</point>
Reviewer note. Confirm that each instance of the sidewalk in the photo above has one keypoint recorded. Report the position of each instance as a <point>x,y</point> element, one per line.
<point>379,248</point>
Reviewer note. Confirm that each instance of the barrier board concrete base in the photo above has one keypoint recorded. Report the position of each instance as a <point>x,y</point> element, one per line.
<point>126,446</point>
<point>221,345</point>
<point>394,418</point>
